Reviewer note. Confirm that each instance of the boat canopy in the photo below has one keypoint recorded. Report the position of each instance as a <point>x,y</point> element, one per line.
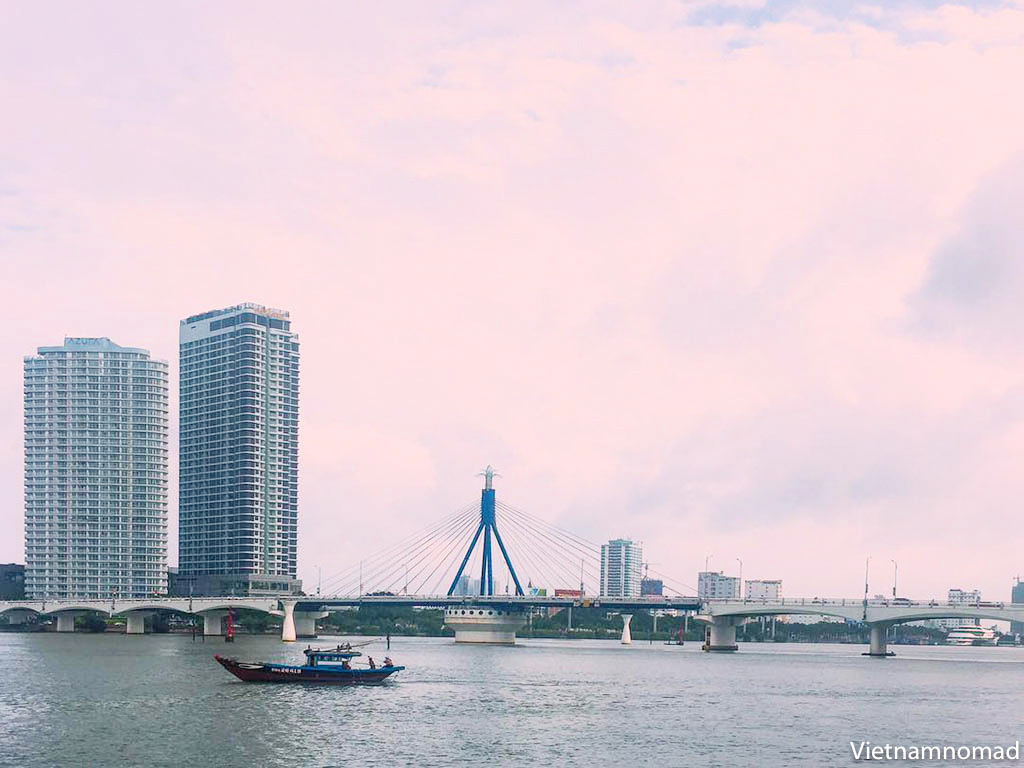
<point>330,654</point>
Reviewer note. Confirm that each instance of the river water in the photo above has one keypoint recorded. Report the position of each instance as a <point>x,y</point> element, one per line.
<point>161,700</point>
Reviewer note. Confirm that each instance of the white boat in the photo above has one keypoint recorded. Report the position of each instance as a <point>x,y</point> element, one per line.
<point>971,636</point>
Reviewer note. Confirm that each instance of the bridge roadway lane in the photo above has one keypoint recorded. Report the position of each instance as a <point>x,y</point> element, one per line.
<point>651,602</point>
<point>305,603</point>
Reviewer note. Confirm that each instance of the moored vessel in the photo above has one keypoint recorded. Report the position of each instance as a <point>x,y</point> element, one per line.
<point>969,635</point>
<point>323,665</point>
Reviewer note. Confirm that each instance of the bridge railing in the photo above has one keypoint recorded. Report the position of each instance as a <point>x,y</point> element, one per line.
<point>787,601</point>
<point>898,602</point>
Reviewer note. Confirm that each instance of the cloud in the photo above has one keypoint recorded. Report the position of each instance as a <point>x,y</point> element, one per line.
<point>975,278</point>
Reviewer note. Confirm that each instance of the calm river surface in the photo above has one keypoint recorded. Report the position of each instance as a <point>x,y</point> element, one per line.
<point>160,700</point>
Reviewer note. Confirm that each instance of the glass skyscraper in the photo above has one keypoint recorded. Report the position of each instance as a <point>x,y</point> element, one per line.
<point>95,471</point>
<point>238,452</point>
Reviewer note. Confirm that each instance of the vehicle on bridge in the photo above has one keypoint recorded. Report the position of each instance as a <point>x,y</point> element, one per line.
<point>323,665</point>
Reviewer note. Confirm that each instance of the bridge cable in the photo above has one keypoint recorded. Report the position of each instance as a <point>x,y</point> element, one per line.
<point>555,530</point>
<point>559,567</point>
<point>395,562</point>
<point>388,555</point>
<point>524,545</point>
<point>380,569</point>
<point>586,542</point>
<point>448,563</point>
<point>395,568</point>
<point>590,551</point>
<point>410,540</point>
<point>668,581</point>
<point>587,554</point>
<point>562,548</point>
<point>451,556</point>
<point>441,552</point>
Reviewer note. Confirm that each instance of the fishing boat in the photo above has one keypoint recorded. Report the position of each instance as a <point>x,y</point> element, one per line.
<point>323,665</point>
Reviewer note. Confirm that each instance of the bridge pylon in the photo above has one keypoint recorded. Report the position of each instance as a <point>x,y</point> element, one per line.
<point>488,526</point>
<point>491,624</point>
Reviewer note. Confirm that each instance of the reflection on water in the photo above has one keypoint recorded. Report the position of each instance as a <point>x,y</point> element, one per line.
<point>160,700</point>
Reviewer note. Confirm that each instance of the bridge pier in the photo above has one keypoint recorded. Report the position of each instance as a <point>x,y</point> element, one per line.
<point>18,617</point>
<point>305,623</point>
<point>212,622</point>
<point>486,624</point>
<point>627,638</point>
<point>879,646</point>
<point>288,625</point>
<point>721,634</point>
<point>66,621</point>
<point>136,622</point>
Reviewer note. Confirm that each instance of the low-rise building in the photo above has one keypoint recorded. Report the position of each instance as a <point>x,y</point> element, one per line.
<point>12,581</point>
<point>961,597</point>
<point>715,585</point>
<point>762,589</point>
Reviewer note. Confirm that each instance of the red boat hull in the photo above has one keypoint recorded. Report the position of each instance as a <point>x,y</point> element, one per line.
<point>277,673</point>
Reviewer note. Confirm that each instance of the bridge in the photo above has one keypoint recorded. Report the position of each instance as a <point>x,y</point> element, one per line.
<point>300,613</point>
<point>723,616</point>
<point>414,571</point>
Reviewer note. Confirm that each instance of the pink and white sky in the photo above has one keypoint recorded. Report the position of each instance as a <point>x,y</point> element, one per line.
<point>738,279</point>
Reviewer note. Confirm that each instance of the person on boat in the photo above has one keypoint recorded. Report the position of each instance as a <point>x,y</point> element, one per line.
<point>370,659</point>
<point>345,664</point>
<point>388,662</point>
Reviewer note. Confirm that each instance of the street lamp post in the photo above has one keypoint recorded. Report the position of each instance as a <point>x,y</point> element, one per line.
<point>895,572</point>
<point>741,577</point>
<point>706,559</point>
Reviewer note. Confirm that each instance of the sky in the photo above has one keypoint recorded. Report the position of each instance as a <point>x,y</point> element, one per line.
<point>741,281</point>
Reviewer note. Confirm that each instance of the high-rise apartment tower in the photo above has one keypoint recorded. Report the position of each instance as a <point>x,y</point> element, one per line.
<point>621,562</point>
<point>95,472</point>
<point>238,452</point>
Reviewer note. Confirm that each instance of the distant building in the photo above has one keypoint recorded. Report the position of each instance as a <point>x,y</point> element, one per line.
<point>1017,596</point>
<point>95,471</point>
<point>173,586</point>
<point>621,562</point>
<point>762,589</point>
<point>715,585</point>
<point>806,618</point>
<point>12,581</point>
<point>961,597</point>
<point>652,587</point>
<point>467,586</point>
<point>238,452</point>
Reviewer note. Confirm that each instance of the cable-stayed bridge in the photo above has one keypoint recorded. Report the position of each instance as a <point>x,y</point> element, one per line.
<point>487,548</point>
<point>522,563</point>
